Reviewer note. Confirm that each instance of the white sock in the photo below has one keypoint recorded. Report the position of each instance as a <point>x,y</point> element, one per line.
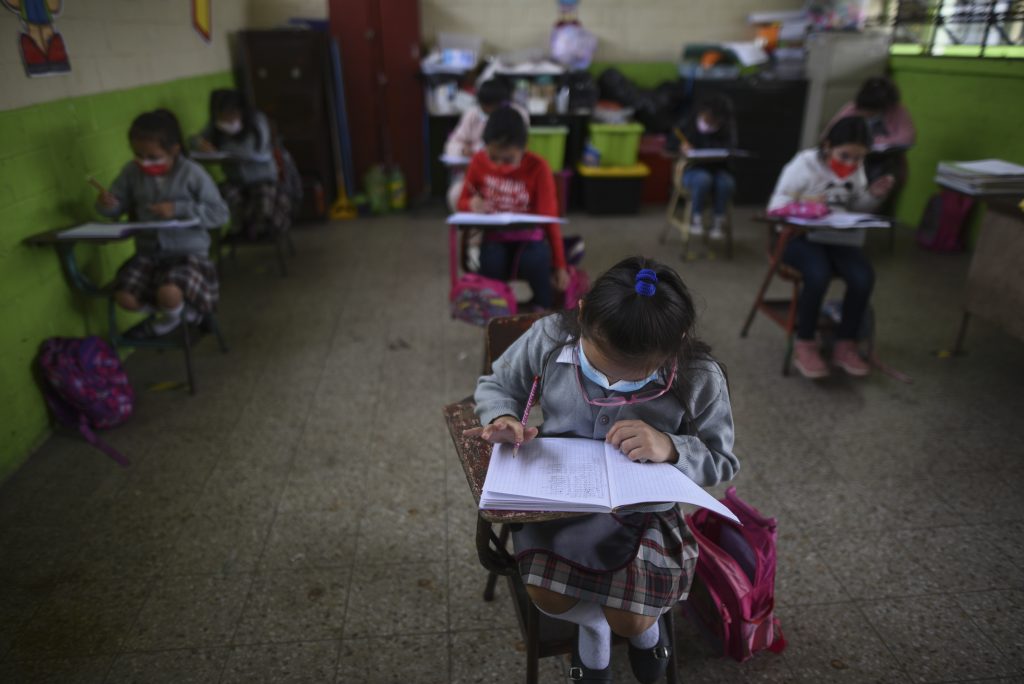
<point>168,320</point>
<point>595,643</point>
<point>648,639</point>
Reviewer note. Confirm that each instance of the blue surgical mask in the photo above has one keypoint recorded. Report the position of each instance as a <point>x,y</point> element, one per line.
<point>599,378</point>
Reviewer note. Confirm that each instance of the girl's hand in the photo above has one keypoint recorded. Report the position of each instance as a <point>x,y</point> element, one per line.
<point>204,145</point>
<point>882,186</point>
<point>107,200</point>
<point>687,148</point>
<point>478,205</point>
<point>503,430</point>
<point>561,279</point>
<point>640,442</point>
<point>162,209</point>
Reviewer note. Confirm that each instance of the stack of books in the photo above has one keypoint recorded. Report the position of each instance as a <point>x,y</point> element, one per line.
<point>982,177</point>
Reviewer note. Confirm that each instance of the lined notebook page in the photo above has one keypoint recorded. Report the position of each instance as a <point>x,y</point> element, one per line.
<point>633,483</point>
<point>570,470</point>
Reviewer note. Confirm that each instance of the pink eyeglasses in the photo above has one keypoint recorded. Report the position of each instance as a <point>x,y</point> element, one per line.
<point>638,398</point>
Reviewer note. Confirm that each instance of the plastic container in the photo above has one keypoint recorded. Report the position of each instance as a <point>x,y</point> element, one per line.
<point>549,142</point>
<point>376,183</point>
<point>612,189</point>
<point>396,190</point>
<point>617,143</point>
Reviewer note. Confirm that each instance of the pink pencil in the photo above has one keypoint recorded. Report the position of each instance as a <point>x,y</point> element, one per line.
<point>526,413</point>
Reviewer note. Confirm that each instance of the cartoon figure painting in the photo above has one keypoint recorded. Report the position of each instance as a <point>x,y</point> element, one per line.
<point>42,48</point>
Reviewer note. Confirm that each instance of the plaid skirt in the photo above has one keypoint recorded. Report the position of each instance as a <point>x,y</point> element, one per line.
<point>195,276</point>
<point>654,579</point>
<point>259,209</point>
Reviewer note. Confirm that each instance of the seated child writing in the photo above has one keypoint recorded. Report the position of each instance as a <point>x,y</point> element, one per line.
<point>259,205</point>
<point>712,125</point>
<point>171,267</point>
<point>832,173</point>
<point>467,138</point>
<point>625,367</point>
<point>505,177</point>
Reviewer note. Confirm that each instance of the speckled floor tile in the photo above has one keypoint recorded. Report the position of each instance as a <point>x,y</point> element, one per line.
<point>189,612</point>
<point>219,543</point>
<point>395,659</point>
<point>497,656</point>
<point>289,663</point>
<point>1000,617</point>
<point>183,666</point>
<point>310,540</point>
<point>402,533</point>
<point>62,671</point>
<point>300,605</point>
<point>397,599</point>
<point>466,606</point>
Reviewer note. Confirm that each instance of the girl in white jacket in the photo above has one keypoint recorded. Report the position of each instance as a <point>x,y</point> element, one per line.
<point>832,173</point>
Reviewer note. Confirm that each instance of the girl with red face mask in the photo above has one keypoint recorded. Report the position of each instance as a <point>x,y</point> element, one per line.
<point>832,173</point>
<point>171,267</point>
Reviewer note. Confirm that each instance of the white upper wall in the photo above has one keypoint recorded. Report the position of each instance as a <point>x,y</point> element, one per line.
<point>118,44</point>
<point>627,30</point>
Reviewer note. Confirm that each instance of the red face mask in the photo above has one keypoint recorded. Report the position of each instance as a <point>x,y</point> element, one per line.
<point>841,169</point>
<point>154,167</point>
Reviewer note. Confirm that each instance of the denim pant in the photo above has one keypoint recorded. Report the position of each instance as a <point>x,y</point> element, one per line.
<point>497,260</point>
<point>817,264</point>
<point>702,182</point>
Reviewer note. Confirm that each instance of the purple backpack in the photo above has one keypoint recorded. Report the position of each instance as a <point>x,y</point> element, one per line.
<point>733,595</point>
<point>85,387</point>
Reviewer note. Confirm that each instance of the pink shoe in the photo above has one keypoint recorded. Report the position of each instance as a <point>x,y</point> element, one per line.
<point>807,359</point>
<point>846,356</point>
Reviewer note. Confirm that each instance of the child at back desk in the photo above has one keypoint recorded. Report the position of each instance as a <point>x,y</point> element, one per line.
<point>467,138</point>
<point>624,367</point>
<point>171,267</point>
<point>711,126</point>
<point>832,173</point>
<point>505,177</point>
<point>259,204</point>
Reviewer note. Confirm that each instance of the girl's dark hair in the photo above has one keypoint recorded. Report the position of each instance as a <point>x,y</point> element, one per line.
<point>505,127</point>
<point>492,93</point>
<point>637,327</point>
<point>718,105</point>
<point>226,100</point>
<point>848,130</point>
<point>877,95</point>
<point>160,125</point>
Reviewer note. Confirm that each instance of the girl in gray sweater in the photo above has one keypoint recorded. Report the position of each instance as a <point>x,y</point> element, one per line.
<point>625,368</point>
<point>171,267</point>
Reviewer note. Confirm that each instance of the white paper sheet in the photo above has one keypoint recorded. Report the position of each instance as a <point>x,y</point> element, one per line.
<point>992,167</point>
<point>500,219</point>
<point>843,220</point>
<point>454,160</point>
<point>219,155</point>
<point>570,471</point>
<point>116,230</point>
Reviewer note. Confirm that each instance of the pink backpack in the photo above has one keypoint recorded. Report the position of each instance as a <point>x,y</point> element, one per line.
<point>579,285</point>
<point>85,387</point>
<point>475,298</point>
<point>733,595</point>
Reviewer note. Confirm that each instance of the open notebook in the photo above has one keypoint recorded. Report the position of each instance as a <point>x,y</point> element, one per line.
<point>843,220</point>
<point>219,155</point>
<point>583,476</point>
<point>715,153</point>
<point>465,218</point>
<point>116,230</point>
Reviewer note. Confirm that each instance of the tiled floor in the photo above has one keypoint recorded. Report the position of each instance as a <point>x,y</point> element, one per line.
<point>304,519</point>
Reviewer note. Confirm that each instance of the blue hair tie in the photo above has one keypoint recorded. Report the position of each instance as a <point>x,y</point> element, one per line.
<point>646,280</point>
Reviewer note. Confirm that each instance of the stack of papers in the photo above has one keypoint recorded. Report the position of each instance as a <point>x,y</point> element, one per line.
<point>466,218</point>
<point>844,220</point>
<point>113,231</point>
<point>982,177</point>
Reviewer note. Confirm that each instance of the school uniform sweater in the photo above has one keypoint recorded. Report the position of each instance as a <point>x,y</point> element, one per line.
<point>701,429</point>
<point>248,144</point>
<point>808,177</point>
<point>194,195</point>
<point>893,127</point>
<point>527,189</point>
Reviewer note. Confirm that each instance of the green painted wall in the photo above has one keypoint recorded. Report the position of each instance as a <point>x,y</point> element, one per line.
<point>46,153</point>
<point>963,109</point>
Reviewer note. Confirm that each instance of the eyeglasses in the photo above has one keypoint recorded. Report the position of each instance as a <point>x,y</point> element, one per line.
<point>638,398</point>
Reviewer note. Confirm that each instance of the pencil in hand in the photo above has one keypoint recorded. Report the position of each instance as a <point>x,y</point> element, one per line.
<point>526,413</point>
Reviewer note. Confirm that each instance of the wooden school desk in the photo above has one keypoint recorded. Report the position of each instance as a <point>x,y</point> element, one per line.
<point>80,282</point>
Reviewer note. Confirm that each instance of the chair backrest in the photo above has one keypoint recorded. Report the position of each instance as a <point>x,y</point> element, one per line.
<point>502,332</point>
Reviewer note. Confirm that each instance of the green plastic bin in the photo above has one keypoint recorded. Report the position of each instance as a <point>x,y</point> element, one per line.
<point>549,142</point>
<point>617,143</point>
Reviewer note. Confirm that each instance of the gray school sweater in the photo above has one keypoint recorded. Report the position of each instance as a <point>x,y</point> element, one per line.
<point>702,430</point>
<point>260,170</point>
<point>194,195</point>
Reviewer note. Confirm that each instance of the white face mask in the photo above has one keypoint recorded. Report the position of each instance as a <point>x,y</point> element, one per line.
<point>600,379</point>
<point>704,127</point>
<point>231,128</point>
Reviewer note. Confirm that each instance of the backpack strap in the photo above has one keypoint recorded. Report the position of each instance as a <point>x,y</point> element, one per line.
<point>91,438</point>
<point>66,416</point>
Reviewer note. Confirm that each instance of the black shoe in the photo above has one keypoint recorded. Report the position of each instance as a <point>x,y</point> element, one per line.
<point>146,330</point>
<point>650,664</point>
<point>580,673</point>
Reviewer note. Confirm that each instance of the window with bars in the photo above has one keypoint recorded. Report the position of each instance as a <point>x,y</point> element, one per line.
<point>961,28</point>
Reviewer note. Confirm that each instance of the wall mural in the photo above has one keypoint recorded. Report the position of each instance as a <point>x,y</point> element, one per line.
<point>41,46</point>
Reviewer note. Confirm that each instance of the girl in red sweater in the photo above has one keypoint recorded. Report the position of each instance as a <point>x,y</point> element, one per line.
<point>505,177</point>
